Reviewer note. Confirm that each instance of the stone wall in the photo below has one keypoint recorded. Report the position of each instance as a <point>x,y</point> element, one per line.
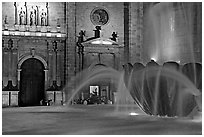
<point>136,31</point>
<point>23,41</point>
<point>115,24</point>
<point>170,31</point>
<point>70,49</point>
<point>55,13</point>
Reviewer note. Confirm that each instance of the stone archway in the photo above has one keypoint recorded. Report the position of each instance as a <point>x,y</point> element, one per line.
<point>32,82</point>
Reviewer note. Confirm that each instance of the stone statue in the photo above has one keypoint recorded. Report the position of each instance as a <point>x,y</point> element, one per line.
<point>114,36</point>
<point>58,22</point>
<point>22,17</point>
<point>81,36</point>
<point>43,18</point>
<point>97,31</point>
<point>33,16</point>
<point>5,20</point>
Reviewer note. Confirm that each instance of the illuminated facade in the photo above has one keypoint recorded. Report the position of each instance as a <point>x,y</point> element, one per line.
<point>45,44</point>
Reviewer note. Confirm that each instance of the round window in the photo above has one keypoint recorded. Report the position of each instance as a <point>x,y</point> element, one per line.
<point>99,16</point>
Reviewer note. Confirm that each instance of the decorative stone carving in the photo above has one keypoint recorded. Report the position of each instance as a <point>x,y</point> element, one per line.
<point>15,11</point>
<point>114,36</point>
<point>10,44</point>
<point>33,52</point>
<point>33,16</point>
<point>5,20</point>
<point>58,22</point>
<point>22,17</point>
<point>81,36</point>
<point>54,46</point>
<point>43,18</point>
<point>97,31</point>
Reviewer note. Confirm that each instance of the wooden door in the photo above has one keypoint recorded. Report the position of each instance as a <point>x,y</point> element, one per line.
<point>31,83</point>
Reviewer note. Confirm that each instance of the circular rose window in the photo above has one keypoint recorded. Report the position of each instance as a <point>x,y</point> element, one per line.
<point>99,16</point>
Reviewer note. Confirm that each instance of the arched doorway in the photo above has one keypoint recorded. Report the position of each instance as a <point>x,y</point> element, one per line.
<point>98,90</point>
<point>32,81</point>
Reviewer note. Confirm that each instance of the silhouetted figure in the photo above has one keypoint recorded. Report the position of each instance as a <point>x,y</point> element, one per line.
<point>97,31</point>
<point>81,36</point>
<point>114,36</point>
<point>43,18</point>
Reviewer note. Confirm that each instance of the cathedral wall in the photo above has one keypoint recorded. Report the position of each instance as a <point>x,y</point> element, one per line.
<point>49,31</point>
<point>55,13</point>
<point>33,30</point>
<point>115,23</point>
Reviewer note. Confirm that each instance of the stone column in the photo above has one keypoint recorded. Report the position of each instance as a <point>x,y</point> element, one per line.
<point>46,82</point>
<point>26,14</point>
<point>126,32</point>
<point>9,69</point>
<point>37,16</point>
<point>46,76</point>
<point>55,61</point>
<point>59,68</point>
<point>10,47</point>
<point>81,56</point>
<point>5,64</point>
<point>54,66</point>
<point>70,45</point>
<point>14,66</point>
<point>114,61</point>
<point>15,14</point>
<point>18,77</point>
<point>47,14</point>
<point>14,62</point>
<point>136,41</point>
<point>50,56</point>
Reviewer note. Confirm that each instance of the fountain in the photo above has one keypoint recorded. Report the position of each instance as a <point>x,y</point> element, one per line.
<point>169,90</point>
<point>157,90</point>
<point>163,90</point>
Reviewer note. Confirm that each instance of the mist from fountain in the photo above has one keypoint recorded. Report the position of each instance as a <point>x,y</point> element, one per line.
<point>169,34</point>
<point>152,98</point>
<point>163,91</point>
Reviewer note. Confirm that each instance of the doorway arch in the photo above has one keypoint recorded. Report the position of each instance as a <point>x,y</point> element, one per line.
<point>32,82</point>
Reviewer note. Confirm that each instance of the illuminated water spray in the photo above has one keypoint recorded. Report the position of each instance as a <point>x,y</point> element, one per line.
<point>157,90</point>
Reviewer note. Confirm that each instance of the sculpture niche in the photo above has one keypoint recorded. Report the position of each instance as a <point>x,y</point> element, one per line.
<point>33,15</point>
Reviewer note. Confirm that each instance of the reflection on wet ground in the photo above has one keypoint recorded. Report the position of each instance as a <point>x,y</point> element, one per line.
<point>92,119</point>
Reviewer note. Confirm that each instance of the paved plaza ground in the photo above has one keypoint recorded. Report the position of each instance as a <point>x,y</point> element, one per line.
<point>91,119</point>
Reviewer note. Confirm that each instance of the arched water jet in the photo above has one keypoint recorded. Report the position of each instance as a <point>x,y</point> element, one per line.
<point>172,88</point>
<point>86,77</point>
<point>143,95</point>
<point>194,72</point>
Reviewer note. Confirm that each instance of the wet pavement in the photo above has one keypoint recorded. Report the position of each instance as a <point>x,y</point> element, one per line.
<point>91,120</point>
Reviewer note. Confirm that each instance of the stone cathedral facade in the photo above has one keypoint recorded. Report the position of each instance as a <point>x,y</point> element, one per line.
<point>45,44</point>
